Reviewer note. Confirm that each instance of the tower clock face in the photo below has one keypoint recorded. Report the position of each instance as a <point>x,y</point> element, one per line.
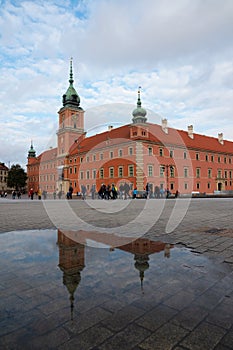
<point>75,117</point>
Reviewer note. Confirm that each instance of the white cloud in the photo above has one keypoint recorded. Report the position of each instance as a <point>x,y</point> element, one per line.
<point>180,52</point>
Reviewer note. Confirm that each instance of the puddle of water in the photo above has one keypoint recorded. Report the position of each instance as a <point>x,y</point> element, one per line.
<point>50,283</point>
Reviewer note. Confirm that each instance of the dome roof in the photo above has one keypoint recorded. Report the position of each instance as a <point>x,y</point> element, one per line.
<point>31,152</point>
<point>139,113</point>
<point>71,98</point>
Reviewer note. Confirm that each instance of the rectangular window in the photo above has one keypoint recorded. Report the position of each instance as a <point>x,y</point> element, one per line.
<point>197,156</point>
<point>150,170</point>
<point>150,151</point>
<point>111,154</point>
<point>219,174</point>
<point>219,159</point>
<point>161,171</point>
<point>212,159</point>
<point>198,172</point>
<point>120,171</point>
<point>171,154</point>
<point>101,173</point>
<point>225,160</point>
<point>88,174</point>
<point>75,170</point>
<point>130,151</point>
<point>186,172</point>
<point>209,173</point>
<point>161,152</point>
<point>70,170</point>
<point>81,175</point>
<point>185,186</point>
<point>94,174</point>
<point>230,174</point>
<point>185,155</point>
<point>94,157</point>
<point>120,152</point>
<point>225,174</point>
<point>198,186</point>
<point>111,172</point>
<point>206,158</point>
<point>172,171</point>
<point>208,185</point>
<point>131,170</point>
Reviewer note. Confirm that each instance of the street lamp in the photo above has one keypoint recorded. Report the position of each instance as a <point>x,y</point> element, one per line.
<point>167,167</point>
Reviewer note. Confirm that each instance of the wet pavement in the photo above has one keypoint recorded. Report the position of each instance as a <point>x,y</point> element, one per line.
<point>76,289</point>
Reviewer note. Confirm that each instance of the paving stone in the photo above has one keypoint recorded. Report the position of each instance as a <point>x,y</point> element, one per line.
<point>127,339</point>
<point>205,337</point>
<point>180,300</point>
<point>165,338</point>
<point>209,299</point>
<point>85,340</point>
<point>229,260</point>
<point>84,321</point>
<point>221,316</point>
<point>157,317</point>
<point>227,340</point>
<point>190,317</point>
<point>121,318</point>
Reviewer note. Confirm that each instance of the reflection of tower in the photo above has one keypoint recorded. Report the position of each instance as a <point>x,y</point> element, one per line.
<point>141,264</point>
<point>142,248</point>
<point>71,263</point>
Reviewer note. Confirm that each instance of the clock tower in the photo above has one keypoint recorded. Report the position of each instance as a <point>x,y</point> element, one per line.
<point>71,119</point>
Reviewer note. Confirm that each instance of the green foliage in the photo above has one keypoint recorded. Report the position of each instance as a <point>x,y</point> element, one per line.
<point>16,177</point>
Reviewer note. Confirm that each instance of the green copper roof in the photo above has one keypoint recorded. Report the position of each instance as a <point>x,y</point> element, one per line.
<point>71,98</point>
<point>31,152</point>
<point>139,113</point>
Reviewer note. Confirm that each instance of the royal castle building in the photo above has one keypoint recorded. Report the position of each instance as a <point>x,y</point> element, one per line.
<point>136,154</point>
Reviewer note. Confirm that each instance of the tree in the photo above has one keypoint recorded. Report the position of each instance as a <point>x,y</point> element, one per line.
<point>16,177</point>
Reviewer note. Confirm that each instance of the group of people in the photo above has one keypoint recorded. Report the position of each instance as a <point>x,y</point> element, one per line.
<point>125,191</point>
<point>108,192</point>
<point>3,194</point>
<point>16,194</point>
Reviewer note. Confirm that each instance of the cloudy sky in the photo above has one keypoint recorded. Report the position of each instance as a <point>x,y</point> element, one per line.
<point>180,52</point>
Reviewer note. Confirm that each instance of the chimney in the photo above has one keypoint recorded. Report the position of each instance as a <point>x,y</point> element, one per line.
<point>110,127</point>
<point>220,138</point>
<point>190,131</point>
<point>164,126</point>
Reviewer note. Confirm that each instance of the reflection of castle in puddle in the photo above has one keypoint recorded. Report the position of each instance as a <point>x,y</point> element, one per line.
<point>71,263</point>
<point>72,254</point>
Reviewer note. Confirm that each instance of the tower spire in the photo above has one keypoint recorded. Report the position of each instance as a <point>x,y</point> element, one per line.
<point>139,113</point>
<point>139,104</point>
<point>31,152</point>
<point>71,98</point>
<point>71,72</point>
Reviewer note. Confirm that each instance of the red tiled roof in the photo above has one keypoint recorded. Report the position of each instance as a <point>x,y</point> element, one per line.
<point>45,156</point>
<point>156,134</point>
<point>116,135</point>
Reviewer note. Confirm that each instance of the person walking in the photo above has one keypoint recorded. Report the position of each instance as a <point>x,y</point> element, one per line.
<point>31,193</point>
